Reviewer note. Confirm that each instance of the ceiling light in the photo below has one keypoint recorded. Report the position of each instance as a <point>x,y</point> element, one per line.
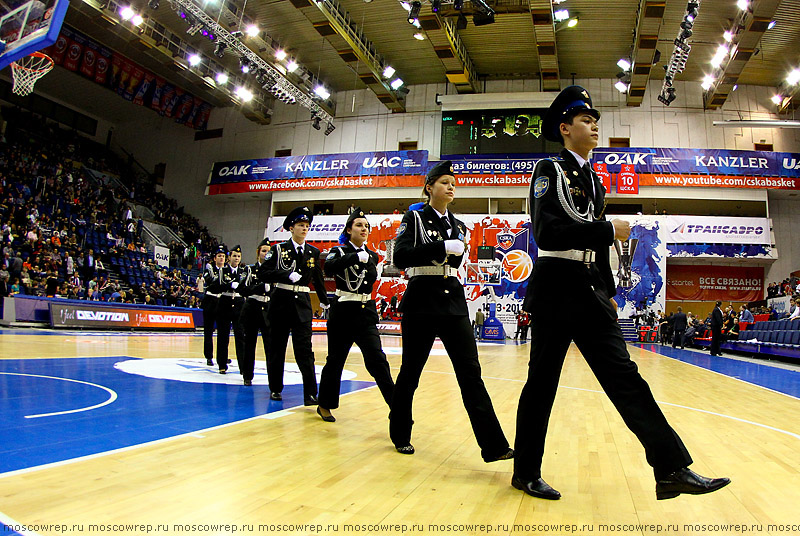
<point>194,60</point>
<point>244,94</point>
<point>415,23</point>
<point>222,78</point>
<point>458,5</point>
<point>219,51</point>
<point>154,4</point>
<point>776,99</point>
<point>137,19</point>
<point>126,13</point>
<point>244,64</point>
<point>252,30</point>
<point>419,36</point>
<point>708,81</point>
<point>280,54</point>
<point>793,77</point>
<point>330,128</point>
<point>624,64</point>
<point>728,36</point>
<point>321,92</point>
<point>388,71</point>
<point>735,87</point>
<point>436,5</point>
<point>406,6</point>
<point>571,23</point>
<point>292,66</point>
<point>771,24</point>
<point>413,13</point>
<point>621,86</point>
<point>396,83</point>
<point>315,121</point>
<point>561,14</point>
<point>742,4</point>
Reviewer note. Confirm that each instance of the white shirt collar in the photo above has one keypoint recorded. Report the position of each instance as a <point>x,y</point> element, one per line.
<point>361,247</point>
<point>446,213</point>
<point>296,245</point>
<point>581,160</point>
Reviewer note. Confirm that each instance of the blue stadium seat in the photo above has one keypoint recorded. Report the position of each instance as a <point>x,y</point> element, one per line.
<point>782,324</point>
<point>795,324</point>
<point>781,338</point>
<point>794,338</point>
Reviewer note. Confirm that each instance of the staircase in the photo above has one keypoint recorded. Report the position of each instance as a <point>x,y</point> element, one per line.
<point>628,329</point>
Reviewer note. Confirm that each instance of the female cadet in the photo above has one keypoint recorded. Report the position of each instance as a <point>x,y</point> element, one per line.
<point>230,308</point>
<point>254,313</point>
<point>430,247</point>
<point>353,315</point>
<point>212,282</point>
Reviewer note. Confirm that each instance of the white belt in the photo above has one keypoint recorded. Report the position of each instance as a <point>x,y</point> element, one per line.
<point>352,296</point>
<point>585,256</point>
<point>213,295</point>
<point>263,299</point>
<point>445,271</point>
<point>293,288</point>
<point>231,294</point>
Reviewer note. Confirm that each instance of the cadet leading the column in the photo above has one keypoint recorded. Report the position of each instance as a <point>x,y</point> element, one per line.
<point>353,316</point>
<point>254,313</point>
<point>430,247</point>
<point>214,287</point>
<point>290,266</point>
<point>567,204</point>
<point>230,309</point>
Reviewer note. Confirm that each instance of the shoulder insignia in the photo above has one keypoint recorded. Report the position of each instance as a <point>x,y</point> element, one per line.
<point>330,256</point>
<point>269,255</point>
<point>401,229</point>
<point>540,186</point>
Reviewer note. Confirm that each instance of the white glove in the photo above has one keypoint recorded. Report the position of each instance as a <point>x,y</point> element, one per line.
<point>294,277</point>
<point>454,247</point>
<point>266,287</point>
<point>324,306</point>
<point>363,256</point>
<point>234,285</point>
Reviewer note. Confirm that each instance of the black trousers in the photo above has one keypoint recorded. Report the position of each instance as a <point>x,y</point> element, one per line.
<point>603,347</point>
<point>350,323</point>
<point>419,332</point>
<point>209,323</point>
<point>228,312</point>
<point>281,324</point>
<point>678,339</point>
<point>253,319</point>
<point>716,338</point>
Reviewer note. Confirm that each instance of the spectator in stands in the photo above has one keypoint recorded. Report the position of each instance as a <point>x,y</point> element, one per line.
<point>795,312</point>
<point>745,315</point>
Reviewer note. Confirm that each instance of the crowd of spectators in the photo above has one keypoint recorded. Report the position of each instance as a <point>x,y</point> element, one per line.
<point>62,231</point>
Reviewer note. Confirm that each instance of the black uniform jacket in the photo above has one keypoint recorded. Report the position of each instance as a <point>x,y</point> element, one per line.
<point>250,284</point>
<point>420,242</point>
<point>352,275</point>
<point>555,230</point>
<point>281,261</point>
<point>214,280</point>
<point>229,277</point>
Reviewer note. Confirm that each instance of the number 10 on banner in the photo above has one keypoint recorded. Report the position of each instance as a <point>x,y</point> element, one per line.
<point>627,180</point>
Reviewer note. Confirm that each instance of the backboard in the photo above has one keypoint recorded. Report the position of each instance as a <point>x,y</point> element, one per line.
<point>29,27</point>
<point>484,273</point>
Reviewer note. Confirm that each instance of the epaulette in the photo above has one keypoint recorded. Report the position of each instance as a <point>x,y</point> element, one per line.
<point>556,159</point>
<point>417,206</point>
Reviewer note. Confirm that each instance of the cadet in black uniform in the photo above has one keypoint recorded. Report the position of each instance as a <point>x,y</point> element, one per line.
<point>212,283</point>
<point>353,316</point>
<point>430,247</point>
<point>290,266</point>
<point>254,313</point>
<point>230,308</point>
<point>567,204</point>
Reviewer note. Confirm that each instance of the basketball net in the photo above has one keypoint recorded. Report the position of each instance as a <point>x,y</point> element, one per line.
<point>28,70</point>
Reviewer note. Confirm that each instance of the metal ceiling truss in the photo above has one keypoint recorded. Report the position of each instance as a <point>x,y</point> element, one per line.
<point>747,29</point>
<point>645,38</point>
<point>544,33</point>
<point>360,53</point>
<point>442,32</point>
<point>680,53</point>
<point>264,73</point>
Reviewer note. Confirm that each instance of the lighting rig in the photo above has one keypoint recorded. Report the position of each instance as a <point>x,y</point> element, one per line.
<point>482,14</point>
<point>270,78</point>
<point>680,54</point>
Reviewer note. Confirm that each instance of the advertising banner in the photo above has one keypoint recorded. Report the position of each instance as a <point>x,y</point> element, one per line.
<point>717,230</point>
<point>90,315</point>
<point>711,283</point>
<point>162,256</point>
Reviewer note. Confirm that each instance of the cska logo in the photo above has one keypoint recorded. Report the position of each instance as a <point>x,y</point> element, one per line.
<point>505,239</point>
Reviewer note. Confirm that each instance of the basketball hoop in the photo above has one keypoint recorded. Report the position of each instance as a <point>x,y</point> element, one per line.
<point>28,70</point>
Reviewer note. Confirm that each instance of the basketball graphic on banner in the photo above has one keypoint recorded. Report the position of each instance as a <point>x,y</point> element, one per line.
<point>517,265</point>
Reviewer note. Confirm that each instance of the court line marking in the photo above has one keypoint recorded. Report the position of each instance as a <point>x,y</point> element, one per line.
<point>110,400</point>
<point>11,523</point>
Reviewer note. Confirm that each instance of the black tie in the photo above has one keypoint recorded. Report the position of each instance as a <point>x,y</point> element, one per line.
<point>588,169</point>
<point>446,225</point>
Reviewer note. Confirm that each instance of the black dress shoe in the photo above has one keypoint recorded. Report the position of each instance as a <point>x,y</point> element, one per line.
<point>407,449</point>
<point>223,371</point>
<point>248,383</point>
<point>536,488</point>
<point>275,396</point>
<point>310,400</point>
<point>507,455</point>
<point>328,418</point>
<point>687,481</point>
<point>210,362</point>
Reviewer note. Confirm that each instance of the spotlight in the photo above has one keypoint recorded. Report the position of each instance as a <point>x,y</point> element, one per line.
<point>777,99</point>
<point>219,51</point>
<point>436,5</point>
<point>458,4</point>
<point>194,60</point>
<point>330,128</point>
<point>461,22</point>
<point>252,30</point>
<point>153,4</point>
<point>244,64</point>
<point>321,92</point>
<point>261,77</point>
<point>561,14</point>
<point>396,83</point>
<point>482,19</point>
<point>126,13</point>
<point>743,4</point>
<point>222,78</point>
<point>624,64</point>
<point>419,36</point>
<point>735,87</point>
<point>292,66</point>
<point>388,71</point>
<point>708,81</point>
<point>772,24</point>
<point>244,94</point>
<point>728,36</point>
<point>571,23</point>
<point>315,122</point>
<point>280,54</point>
<point>621,86</point>
<point>137,20</point>
<point>413,14</point>
<point>793,77</point>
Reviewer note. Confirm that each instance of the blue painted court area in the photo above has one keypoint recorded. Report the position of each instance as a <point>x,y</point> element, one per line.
<point>782,380</point>
<point>60,409</point>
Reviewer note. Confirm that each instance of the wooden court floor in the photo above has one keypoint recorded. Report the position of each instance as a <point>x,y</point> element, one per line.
<point>291,473</point>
